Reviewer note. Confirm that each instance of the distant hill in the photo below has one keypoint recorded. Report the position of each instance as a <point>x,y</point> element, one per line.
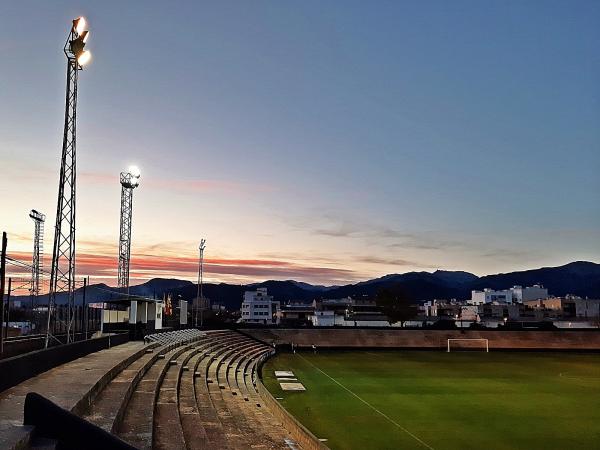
<point>580,278</point>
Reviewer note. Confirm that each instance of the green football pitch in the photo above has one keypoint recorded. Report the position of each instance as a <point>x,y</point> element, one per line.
<point>438,400</point>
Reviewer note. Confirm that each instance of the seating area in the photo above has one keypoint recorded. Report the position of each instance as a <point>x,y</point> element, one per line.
<point>191,391</point>
<point>180,390</point>
<point>173,337</point>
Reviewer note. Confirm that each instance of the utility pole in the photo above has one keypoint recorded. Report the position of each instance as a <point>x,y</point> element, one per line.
<point>83,321</point>
<point>62,274</point>
<point>2,276</point>
<point>8,308</point>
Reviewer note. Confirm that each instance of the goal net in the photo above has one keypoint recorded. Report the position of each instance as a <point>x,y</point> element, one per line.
<point>468,344</point>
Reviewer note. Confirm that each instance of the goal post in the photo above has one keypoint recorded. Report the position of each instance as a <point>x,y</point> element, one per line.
<point>484,343</point>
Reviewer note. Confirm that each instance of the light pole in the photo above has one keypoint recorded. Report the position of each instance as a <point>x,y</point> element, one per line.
<point>199,294</point>
<point>37,261</point>
<point>62,275</point>
<point>129,181</point>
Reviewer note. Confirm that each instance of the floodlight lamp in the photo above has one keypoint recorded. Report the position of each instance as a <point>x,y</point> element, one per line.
<point>134,171</point>
<point>77,46</point>
<point>79,25</point>
<point>84,36</point>
<point>84,58</point>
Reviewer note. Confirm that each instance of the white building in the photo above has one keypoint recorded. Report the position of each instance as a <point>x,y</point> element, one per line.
<point>516,294</point>
<point>535,292</point>
<point>491,296</point>
<point>259,307</point>
<point>587,309</point>
<point>323,318</point>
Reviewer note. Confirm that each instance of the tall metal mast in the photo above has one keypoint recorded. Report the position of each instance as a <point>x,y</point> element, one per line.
<point>200,276</point>
<point>37,263</point>
<point>62,275</point>
<point>129,181</point>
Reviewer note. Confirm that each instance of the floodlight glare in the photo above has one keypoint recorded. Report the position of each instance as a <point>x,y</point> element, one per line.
<point>84,58</point>
<point>84,36</point>
<point>79,25</point>
<point>134,171</point>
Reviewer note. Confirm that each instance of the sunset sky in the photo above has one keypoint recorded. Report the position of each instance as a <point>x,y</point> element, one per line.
<point>324,141</point>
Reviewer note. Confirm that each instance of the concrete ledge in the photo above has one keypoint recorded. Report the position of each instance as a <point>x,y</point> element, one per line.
<point>21,367</point>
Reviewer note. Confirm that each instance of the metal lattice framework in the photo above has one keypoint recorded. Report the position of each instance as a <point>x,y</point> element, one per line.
<point>129,182</point>
<point>37,264</point>
<point>200,294</point>
<point>62,275</point>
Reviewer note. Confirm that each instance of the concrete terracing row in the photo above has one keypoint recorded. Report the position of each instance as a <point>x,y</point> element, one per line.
<point>72,386</point>
<point>195,394</point>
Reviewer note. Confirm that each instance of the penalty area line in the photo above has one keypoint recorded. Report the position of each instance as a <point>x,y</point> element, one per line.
<point>388,418</point>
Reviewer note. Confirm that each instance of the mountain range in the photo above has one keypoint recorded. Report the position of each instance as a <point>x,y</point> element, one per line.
<point>580,278</point>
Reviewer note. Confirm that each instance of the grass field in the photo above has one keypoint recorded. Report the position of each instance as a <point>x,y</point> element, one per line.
<point>437,400</point>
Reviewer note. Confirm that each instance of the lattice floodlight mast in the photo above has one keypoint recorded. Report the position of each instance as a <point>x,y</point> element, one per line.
<point>62,275</point>
<point>129,181</point>
<point>37,263</point>
<point>200,295</point>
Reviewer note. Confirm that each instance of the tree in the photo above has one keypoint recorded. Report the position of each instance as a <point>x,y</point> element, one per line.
<point>395,304</point>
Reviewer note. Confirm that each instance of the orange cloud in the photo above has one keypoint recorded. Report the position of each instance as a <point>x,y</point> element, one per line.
<point>102,267</point>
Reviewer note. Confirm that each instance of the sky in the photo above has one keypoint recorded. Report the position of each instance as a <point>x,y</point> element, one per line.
<point>324,141</point>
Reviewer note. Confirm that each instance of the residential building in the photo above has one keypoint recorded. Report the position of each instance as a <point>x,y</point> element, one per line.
<point>523,294</point>
<point>516,294</point>
<point>491,296</point>
<point>259,307</point>
<point>587,309</point>
<point>296,314</point>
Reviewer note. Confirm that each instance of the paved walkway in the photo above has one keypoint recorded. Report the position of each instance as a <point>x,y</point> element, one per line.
<point>65,385</point>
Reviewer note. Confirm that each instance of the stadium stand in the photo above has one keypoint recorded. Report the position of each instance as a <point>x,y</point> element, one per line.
<point>179,390</point>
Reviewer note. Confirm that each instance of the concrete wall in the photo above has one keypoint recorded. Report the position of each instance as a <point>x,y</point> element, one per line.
<point>16,369</point>
<point>299,432</point>
<point>428,339</point>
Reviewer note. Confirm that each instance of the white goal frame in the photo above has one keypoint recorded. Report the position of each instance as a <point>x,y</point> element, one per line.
<point>487,343</point>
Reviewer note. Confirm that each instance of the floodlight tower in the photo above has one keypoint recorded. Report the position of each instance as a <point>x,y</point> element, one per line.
<point>200,295</point>
<point>38,251</point>
<point>62,275</point>
<point>129,181</point>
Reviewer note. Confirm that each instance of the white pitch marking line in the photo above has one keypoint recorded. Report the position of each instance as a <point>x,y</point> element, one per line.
<point>370,406</point>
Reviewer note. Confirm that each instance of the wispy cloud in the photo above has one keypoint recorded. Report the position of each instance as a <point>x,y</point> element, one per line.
<point>392,238</point>
<point>393,262</point>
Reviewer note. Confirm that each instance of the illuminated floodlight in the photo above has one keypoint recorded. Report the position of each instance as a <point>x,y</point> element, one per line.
<point>84,57</point>
<point>79,25</point>
<point>134,171</point>
<point>84,36</point>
